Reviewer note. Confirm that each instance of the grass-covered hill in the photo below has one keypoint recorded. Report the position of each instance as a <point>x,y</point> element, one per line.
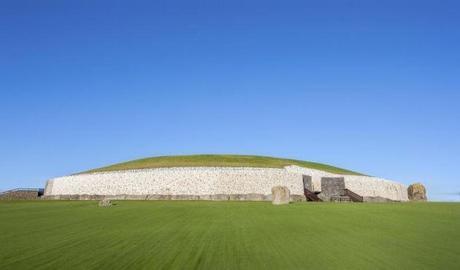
<point>218,161</point>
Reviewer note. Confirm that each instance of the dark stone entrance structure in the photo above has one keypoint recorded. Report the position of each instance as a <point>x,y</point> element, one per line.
<point>307,182</point>
<point>310,195</point>
<point>333,189</point>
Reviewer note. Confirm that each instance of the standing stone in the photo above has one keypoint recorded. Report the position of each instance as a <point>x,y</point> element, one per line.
<point>105,203</point>
<point>280,195</point>
<point>416,192</point>
<point>332,187</point>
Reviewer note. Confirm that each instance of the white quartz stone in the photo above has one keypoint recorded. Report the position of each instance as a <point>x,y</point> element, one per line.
<point>212,181</point>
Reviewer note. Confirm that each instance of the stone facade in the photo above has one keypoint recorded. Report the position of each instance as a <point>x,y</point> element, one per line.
<point>210,183</point>
<point>20,195</point>
<point>366,186</point>
<point>177,181</point>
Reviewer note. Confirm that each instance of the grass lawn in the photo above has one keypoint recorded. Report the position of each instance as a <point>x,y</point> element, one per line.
<point>228,235</point>
<point>218,161</point>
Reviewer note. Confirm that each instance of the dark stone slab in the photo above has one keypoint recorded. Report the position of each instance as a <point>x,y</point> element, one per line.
<point>332,187</point>
<point>307,182</point>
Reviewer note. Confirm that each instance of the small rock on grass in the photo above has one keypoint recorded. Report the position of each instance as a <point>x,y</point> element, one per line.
<point>105,203</point>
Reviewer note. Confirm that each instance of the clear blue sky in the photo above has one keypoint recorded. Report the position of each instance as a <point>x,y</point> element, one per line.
<point>365,85</point>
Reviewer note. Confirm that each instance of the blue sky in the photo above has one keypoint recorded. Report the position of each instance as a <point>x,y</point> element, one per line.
<point>365,85</point>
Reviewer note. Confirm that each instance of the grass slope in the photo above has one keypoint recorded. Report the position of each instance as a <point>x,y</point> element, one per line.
<point>228,235</point>
<point>218,161</point>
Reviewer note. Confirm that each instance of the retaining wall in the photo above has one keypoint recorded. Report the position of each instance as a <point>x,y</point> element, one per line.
<point>177,181</point>
<point>20,195</point>
<point>210,183</point>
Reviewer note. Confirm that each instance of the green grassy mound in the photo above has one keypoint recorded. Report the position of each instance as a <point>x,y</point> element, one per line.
<point>228,235</point>
<point>218,161</point>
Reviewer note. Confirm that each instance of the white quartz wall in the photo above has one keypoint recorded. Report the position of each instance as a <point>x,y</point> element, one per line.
<point>177,181</point>
<point>376,187</point>
<point>362,185</point>
<point>213,181</point>
<point>316,175</point>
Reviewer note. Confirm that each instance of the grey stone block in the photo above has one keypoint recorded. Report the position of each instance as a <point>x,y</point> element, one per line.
<point>280,195</point>
<point>307,182</point>
<point>332,187</point>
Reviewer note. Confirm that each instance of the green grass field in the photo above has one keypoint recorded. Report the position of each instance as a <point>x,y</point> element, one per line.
<point>228,235</point>
<point>218,161</point>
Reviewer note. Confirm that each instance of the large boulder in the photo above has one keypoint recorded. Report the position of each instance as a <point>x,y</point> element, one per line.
<point>416,192</point>
<point>280,195</point>
<point>105,203</point>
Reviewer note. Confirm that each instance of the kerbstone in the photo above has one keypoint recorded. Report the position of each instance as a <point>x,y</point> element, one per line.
<point>280,195</point>
<point>417,192</point>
